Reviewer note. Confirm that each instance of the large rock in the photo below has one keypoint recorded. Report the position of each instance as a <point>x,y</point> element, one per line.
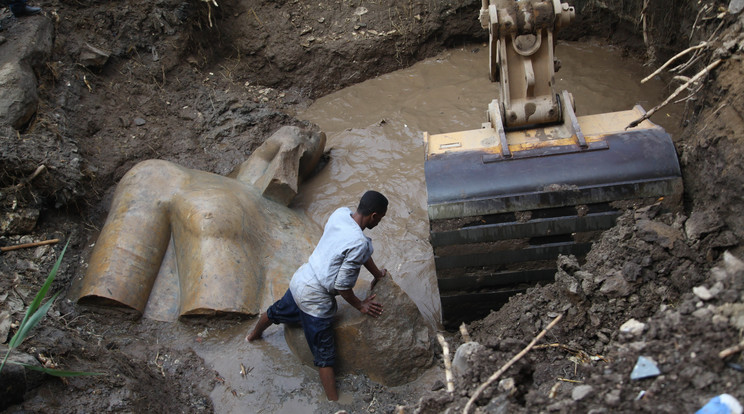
<point>29,46</point>
<point>393,349</point>
<point>16,380</point>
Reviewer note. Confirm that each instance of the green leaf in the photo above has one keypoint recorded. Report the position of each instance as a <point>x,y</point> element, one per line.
<point>23,330</point>
<point>57,372</point>
<point>45,287</point>
<point>32,317</point>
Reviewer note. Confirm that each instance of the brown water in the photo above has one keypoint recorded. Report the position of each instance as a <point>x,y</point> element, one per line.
<point>375,136</point>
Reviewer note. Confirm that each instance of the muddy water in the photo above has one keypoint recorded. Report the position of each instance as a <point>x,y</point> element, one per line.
<point>375,137</point>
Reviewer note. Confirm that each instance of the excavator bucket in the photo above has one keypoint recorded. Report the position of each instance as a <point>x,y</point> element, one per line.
<point>535,181</point>
<point>498,223</point>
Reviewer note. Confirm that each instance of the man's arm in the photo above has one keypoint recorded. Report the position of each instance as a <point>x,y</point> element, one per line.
<point>376,273</point>
<point>366,306</point>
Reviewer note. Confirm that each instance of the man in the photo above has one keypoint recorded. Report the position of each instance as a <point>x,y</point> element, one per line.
<point>331,270</point>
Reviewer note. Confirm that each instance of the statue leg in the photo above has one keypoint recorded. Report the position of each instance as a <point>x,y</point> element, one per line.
<point>130,248</point>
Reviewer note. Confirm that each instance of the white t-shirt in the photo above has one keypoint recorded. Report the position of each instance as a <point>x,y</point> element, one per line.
<point>334,265</point>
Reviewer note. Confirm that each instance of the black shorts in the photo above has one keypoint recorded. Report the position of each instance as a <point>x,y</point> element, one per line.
<point>318,331</point>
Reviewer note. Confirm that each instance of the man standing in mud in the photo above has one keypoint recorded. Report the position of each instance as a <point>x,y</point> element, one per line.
<point>332,269</point>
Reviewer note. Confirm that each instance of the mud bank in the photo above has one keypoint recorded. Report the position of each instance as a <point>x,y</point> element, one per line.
<point>177,88</point>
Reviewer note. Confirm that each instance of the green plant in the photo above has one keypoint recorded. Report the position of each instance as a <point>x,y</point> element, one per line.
<point>34,314</point>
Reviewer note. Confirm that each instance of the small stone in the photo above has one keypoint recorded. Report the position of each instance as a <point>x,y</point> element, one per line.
<point>91,56</point>
<point>702,292</point>
<point>139,121</point>
<point>508,385</point>
<point>612,398</point>
<point>461,361</point>
<point>615,286</point>
<point>703,313</point>
<point>633,327</point>
<point>735,6</point>
<point>581,392</point>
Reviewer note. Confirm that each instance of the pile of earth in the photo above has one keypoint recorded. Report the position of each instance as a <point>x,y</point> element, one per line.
<point>203,86</point>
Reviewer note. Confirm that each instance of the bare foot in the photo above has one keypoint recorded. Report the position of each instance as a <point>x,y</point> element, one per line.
<point>261,325</point>
<point>252,336</point>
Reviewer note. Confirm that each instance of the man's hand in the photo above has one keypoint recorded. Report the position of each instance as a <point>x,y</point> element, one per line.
<point>370,307</point>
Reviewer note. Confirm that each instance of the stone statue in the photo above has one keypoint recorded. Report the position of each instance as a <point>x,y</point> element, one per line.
<point>186,242</point>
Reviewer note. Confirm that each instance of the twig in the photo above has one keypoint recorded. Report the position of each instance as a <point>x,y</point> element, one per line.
<point>569,380</point>
<point>675,57</point>
<point>731,350</point>
<point>464,333</point>
<point>256,16</point>
<point>26,245</point>
<point>646,36</point>
<point>40,169</point>
<point>511,362</point>
<point>447,363</point>
<point>674,95</point>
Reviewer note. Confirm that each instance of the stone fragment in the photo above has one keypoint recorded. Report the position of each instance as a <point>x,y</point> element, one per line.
<point>702,292</point>
<point>615,286</point>
<point>18,96</point>
<point>645,367</point>
<point>657,232</point>
<point>701,223</point>
<point>16,380</point>
<point>633,327</point>
<point>4,326</point>
<point>93,57</point>
<point>139,121</point>
<point>581,392</point>
<point>461,361</point>
<point>732,263</point>
<point>21,221</point>
<point>735,6</point>
<point>612,398</point>
<point>631,271</point>
<point>392,349</point>
<point>703,313</point>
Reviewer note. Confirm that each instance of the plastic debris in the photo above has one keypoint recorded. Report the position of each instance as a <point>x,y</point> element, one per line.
<point>722,404</point>
<point>644,368</point>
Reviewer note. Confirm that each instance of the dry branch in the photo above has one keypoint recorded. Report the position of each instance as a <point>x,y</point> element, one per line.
<point>673,95</point>
<point>464,333</point>
<point>26,245</point>
<point>675,57</point>
<point>511,362</point>
<point>447,363</point>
